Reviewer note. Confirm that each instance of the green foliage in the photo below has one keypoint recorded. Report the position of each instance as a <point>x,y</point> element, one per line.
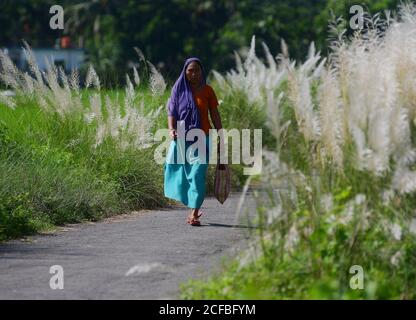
<point>318,266</point>
<point>15,219</point>
<point>64,179</point>
<point>211,30</point>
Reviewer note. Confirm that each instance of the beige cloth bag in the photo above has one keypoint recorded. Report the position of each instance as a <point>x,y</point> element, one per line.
<point>222,180</point>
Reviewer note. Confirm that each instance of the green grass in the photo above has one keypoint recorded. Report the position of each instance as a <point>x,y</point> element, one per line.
<point>356,230</point>
<point>318,265</point>
<point>51,175</point>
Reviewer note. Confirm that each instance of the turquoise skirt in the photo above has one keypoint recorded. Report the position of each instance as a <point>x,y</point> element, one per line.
<point>185,178</point>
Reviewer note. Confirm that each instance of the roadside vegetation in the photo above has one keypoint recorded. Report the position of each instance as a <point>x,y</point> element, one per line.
<point>336,217</point>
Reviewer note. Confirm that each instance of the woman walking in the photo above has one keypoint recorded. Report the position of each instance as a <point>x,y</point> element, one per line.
<point>191,100</point>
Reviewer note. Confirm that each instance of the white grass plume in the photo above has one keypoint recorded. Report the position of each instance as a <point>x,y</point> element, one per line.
<point>156,81</point>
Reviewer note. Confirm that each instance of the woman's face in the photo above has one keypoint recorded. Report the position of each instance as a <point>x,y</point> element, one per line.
<point>194,73</point>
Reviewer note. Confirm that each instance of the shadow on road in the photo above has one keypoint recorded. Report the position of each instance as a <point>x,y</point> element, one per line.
<point>227,225</point>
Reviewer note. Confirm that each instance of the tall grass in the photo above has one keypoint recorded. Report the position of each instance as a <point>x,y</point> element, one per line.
<point>70,153</point>
<point>340,181</point>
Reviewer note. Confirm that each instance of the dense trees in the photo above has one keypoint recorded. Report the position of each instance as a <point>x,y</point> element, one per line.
<point>169,31</point>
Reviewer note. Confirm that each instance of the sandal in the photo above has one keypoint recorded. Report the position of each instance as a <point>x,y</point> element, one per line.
<point>193,222</point>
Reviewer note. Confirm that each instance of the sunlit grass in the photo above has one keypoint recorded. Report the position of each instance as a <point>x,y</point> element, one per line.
<point>338,186</point>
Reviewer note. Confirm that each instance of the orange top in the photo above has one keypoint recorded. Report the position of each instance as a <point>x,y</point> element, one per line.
<point>205,100</point>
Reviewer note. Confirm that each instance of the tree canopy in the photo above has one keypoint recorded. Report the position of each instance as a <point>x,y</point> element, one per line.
<point>169,31</point>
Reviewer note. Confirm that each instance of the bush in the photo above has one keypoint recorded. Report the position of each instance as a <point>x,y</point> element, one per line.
<point>15,217</point>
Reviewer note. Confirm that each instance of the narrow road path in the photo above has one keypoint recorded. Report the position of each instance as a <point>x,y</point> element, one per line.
<point>143,255</point>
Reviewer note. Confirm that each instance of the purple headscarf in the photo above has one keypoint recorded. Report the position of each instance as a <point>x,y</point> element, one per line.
<point>181,103</point>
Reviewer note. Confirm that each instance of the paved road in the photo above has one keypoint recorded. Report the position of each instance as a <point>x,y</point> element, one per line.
<point>143,255</point>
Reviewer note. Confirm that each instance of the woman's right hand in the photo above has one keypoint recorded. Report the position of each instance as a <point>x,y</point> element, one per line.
<point>172,133</point>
